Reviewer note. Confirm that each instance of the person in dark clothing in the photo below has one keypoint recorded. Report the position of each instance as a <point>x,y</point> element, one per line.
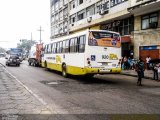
<point>155,71</point>
<point>139,67</point>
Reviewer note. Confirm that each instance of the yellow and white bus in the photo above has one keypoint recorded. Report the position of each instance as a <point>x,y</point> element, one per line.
<point>88,52</point>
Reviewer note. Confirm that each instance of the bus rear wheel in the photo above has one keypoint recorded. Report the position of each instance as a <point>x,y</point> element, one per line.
<point>64,70</point>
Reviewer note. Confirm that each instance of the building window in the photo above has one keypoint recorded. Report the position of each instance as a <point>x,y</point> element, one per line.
<point>61,28</point>
<point>72,4</point>
<point>90,10</point>
<point>124,27</point>
<point>81,15</point>
<point>53,9</point>
<point>116,2</point>
<point>103,4</point>
<point>60,4</point>
<point>61,15</point>
<point>53,19</point>
<point>80,1</point>
<point>56,6</point>
<point>65,2</point>
<point>149,21</point>
<point>73,18</point>
<point>56,18</point>
<point>65,13</point>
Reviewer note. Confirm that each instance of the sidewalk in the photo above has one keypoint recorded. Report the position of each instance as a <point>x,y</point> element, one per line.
<point>148,74</point>
<point>15,99</point>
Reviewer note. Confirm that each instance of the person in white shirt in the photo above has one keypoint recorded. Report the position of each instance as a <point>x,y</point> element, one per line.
<point>148,62</point>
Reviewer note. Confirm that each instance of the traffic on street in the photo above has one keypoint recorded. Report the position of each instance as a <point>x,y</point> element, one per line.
<point>35,90</point>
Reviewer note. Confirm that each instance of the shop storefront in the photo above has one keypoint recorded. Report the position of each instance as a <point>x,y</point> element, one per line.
<point>153,51</point>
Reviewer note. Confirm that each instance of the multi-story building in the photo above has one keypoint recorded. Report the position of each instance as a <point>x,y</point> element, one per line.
<point>123,16</point>
<point>59,18</point>
<point>146,35</point>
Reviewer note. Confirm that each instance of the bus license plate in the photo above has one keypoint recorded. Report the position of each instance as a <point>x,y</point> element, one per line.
<point>104,70</point>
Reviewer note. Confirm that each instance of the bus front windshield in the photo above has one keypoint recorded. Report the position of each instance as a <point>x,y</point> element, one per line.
<point>106,39</point>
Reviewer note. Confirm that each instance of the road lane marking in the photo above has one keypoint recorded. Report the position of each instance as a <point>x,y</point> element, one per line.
<point>55,110</point>
<point>35,95</point>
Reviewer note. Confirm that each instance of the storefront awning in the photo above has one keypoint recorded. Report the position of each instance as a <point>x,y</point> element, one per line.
<point>126,39</point>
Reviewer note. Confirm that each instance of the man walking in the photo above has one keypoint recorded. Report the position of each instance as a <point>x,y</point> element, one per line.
<point>139,67</point>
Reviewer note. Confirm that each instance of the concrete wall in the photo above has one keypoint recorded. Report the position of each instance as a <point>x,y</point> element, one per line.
<point>144,37</point>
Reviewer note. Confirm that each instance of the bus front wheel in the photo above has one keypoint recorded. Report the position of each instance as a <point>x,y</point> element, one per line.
<point>64,70</point>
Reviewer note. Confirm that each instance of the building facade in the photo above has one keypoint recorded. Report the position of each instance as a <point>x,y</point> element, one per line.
<point>146,35</point>
<point>123,16</point>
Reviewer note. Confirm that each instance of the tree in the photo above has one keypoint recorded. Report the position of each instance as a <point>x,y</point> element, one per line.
<point>26,44</point>
<point>2,50</point>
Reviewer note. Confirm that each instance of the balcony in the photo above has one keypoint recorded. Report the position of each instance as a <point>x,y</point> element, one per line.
<point>142,7</point>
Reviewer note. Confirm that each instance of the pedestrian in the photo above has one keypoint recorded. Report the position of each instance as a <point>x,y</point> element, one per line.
<point>125,60</point>
<point>129,63</point>
<point>156,68</point>
<point>148,62</point>
<point>139,67</point>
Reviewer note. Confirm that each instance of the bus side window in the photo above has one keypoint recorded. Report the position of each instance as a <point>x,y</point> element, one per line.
<point>63,46</point>
<point>53,48</point>
<point>73,45</point>
<point>58,47</point>
<point>67,46</point>
<point>76,44</point>
<point>47,48</point>
<point>82,41</point>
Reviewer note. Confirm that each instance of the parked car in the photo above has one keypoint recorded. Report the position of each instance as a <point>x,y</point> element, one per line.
<point>13,60</point>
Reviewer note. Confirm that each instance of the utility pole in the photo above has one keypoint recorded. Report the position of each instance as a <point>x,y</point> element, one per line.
<point>40,30</point>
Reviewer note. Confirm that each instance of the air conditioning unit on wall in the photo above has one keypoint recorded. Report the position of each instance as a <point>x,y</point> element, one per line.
<point>102,11</point>
<point>89,19</point>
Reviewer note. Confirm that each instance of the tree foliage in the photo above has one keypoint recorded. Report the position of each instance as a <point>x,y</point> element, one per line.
<point>2,50</point>
<point>26,44</point>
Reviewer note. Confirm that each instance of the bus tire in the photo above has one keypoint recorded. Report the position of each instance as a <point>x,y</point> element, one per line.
<point>64,70</point>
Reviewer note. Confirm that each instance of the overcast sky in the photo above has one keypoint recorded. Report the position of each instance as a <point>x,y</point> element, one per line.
<point>20,18</point>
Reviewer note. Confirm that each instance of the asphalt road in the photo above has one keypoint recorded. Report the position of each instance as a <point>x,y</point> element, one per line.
<point>103,94</point>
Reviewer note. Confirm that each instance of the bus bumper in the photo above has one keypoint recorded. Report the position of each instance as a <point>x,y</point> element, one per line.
<point>102,70</point>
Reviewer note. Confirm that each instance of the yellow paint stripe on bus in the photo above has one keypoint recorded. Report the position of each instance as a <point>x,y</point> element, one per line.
<point>80,71</point>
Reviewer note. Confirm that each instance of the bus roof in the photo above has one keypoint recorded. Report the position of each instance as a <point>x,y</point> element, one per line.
<point>80,32</point>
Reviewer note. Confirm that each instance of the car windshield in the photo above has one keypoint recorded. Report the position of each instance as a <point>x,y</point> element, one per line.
<point>14,57</point>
